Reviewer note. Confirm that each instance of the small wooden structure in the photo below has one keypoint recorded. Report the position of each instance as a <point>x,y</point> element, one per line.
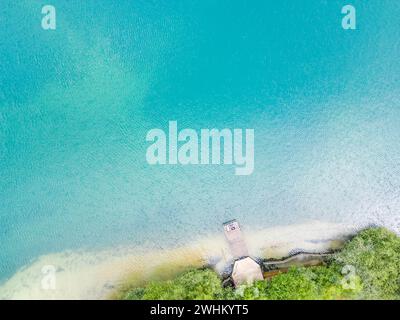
<point>246,271</point>
<point>235,239</point>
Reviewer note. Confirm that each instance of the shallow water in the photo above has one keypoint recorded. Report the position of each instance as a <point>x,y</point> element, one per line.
<point>76,104</point>
<point>107,272</point>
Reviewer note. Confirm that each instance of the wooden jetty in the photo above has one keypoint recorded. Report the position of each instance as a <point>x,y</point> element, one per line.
<point>245,269</point>
<point>235,239</point>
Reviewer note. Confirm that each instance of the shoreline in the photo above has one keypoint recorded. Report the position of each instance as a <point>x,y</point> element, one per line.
<point>102,274</point>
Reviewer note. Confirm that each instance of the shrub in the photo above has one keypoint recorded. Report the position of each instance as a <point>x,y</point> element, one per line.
<point>375,255</point>
<point>191,285</point>
<point>300,284</point>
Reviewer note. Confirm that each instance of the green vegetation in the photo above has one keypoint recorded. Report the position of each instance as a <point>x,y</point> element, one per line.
<point>368,267</point>
<point>375,255</point>
<point>302,284</point>
<point>203,284</point>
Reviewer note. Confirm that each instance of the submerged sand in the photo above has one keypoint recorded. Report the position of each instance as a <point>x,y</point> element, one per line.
<point>98,274</point>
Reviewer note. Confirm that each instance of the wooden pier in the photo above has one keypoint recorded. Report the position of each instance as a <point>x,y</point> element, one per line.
<point>235,239</point>
<point>245,269</point>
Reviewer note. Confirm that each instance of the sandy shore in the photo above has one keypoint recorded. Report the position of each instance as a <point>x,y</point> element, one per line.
<point>96,275</point>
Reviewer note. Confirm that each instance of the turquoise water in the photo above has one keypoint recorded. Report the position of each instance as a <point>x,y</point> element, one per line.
<point>76,104</point>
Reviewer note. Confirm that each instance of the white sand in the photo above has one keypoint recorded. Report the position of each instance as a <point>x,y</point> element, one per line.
<point>95,275</point>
